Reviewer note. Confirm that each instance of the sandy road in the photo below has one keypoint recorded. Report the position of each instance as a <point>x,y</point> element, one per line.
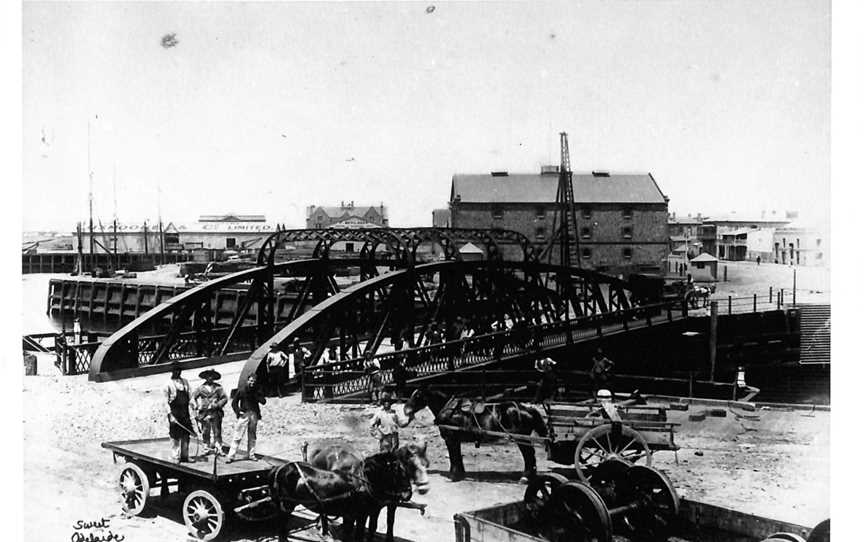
<point>776,466</point>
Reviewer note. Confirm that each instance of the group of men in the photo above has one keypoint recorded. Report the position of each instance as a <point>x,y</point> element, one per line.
<point>207,402</point>
<point>600,375</point>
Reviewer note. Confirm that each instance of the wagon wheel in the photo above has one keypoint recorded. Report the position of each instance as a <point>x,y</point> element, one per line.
<point>785,537</point>
<point>608,477</point>
<point>579,515</point>
<point>821,532</point>
<point>539,493</point>
<point>657,500</point>
<point>134,488</point>
<point>203,515</point>
<point>603,443</point>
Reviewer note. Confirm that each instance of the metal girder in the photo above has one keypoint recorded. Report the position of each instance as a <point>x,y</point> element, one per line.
<point>361,317</point>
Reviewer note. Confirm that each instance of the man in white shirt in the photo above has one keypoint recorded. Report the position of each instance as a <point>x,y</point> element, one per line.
<point>278,368</point>
<point>386,423</point>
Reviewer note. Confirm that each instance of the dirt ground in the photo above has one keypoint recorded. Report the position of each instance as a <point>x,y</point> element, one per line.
<point>776,466</point>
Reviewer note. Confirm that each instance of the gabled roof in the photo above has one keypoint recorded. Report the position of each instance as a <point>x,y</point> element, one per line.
<point>537,188</point>
<point>470,248</point>
<point>336,211</point>
<point>704,257</point>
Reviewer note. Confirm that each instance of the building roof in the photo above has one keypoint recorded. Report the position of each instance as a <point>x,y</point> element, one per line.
<point>232,218</point>
<point>337,211</point>
<point>685,220</point>
<point>537,188</point>
<point>704,257</point>
<point>470,248</point>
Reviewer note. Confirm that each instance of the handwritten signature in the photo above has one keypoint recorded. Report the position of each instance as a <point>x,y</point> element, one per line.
<point>83,531</point>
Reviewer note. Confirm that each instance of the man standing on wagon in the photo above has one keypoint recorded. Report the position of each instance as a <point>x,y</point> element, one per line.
<point>177,395</point>
<point>208,400</point>
<point>245,406</point>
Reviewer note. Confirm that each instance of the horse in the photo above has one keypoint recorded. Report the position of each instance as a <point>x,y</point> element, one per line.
<point>699,296</point>
<point>343,459</point>
<point>380,478</point>
<point>509,417</point>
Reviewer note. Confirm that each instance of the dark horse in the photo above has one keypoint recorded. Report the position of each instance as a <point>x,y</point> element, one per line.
<point>476,419</point>
<point>382,478</point>
<point>343,459</point>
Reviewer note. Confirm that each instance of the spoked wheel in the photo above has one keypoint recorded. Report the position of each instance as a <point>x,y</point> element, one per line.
<point>606,442</point>
<point>579,515</point>
<point>657,503</point>
<point>608,476</point>
<point>134,488</point>
<point>203,515</point>
<point>539,493</point>
<point>785,537</point>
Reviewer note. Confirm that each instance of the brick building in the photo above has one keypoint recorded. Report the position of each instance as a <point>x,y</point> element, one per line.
<point>621,218</point>
<point>346,215</point>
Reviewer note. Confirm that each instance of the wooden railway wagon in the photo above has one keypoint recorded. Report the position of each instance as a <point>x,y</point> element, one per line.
<point>214,491</point>
<point>697,522</point>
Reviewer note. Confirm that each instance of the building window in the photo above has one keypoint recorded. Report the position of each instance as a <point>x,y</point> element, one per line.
<point>172,238</point>
<point>818,255</point>
<point>627,253</point>
<point>627,232</point>
<point>818,242</point>
<point>541,213</point>
<point>586,213</point>
<point>585,232</point>
<point>349,247</point>
<point>497,213</point>
<point>627,213</point>
<point>540,234</point>
<point>230,242</point>
<point>586,253</point>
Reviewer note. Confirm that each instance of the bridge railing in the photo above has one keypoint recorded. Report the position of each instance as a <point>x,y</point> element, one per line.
<point>347,377</point>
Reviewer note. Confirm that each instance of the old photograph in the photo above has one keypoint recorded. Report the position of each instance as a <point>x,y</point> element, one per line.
<point>426,271</point>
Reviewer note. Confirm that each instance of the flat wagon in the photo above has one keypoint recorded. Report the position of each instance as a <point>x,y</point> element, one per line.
<point>213,490</point>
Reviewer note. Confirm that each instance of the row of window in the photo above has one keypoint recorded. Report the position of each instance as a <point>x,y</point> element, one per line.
<point>585,233</point>
<point>626,253</point>
<point>498,213</point>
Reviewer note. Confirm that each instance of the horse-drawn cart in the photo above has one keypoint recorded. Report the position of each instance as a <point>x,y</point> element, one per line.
<point>214,490</point>
<point>587,434</point>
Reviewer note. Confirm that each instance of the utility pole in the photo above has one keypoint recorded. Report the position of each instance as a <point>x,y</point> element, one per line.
<point>114,186</point>
<point>90,194</point>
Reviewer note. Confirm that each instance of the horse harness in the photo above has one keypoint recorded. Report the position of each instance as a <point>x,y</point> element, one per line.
<point>363,485</point>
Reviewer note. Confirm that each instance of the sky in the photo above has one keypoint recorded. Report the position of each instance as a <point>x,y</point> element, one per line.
<point>270,107</point>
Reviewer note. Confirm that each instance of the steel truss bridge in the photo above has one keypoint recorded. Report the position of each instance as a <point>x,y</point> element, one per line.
<point>514,305</point>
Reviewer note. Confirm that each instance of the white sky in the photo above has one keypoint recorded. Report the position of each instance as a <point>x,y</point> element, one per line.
<point>259,107</point>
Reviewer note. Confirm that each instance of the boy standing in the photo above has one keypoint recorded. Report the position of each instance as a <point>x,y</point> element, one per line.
<point>385,425</point>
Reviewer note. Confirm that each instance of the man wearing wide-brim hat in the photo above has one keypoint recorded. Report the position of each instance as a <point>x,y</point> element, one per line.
<point>177,397</point>
<point>209,401</point>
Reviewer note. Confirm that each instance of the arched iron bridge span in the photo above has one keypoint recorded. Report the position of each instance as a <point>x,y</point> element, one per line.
<point>508,286</point>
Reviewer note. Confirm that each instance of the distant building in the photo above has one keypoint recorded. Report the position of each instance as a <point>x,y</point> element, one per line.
<point>745,238</point>
<point>441,218</point>
<point>621,218</point>
<point>223,232</point>
<point>346,215</point>
<point>684,231</point>
<point>800,245</point>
